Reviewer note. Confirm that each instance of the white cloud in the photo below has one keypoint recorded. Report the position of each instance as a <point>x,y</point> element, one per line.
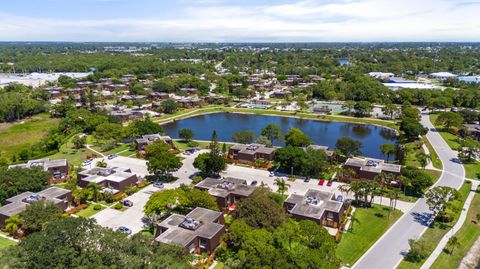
<point>308,20</point>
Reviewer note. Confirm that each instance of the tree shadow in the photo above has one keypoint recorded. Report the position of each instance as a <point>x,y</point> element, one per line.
<point>423,218</point>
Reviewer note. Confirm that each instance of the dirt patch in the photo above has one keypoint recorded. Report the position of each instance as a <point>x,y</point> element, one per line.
<point>472,259</point>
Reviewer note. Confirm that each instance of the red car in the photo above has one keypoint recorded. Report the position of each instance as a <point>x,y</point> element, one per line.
<point>321,182</point>
<point>329,183</point>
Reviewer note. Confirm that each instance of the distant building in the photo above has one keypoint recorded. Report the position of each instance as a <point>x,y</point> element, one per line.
<point>250,153</point>
<point>400,80</point>
<point>443,75</point>
<point>321,207</point>
<point>199,231</point>
<point>18,203</point>
<point>58,169</point>
<point>368,169</point>
<point>146,140</point>
<point>381,75</point>
<point>472,130</point>
<point>227,191</point>
<point>112,179</point>
<point>470,79</point>
<point>409,85</point>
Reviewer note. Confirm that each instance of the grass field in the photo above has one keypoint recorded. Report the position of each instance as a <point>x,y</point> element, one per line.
<point>89,211</point>
<point>17,136</point>
<point>472,170</point>
<point>451,139</point>
<point>434,234</point>
<point>412,149</point>
<point>372,223</point>
<point>467,235</point>
<point>74,156</point>
<point>437,163</point>
<point>4,243</point>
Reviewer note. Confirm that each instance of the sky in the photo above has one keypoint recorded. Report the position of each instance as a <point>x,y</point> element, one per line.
<point>240,21</point>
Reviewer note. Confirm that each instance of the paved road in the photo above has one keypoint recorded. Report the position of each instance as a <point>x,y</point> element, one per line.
<point>387,251</point>
<point>132,217</point>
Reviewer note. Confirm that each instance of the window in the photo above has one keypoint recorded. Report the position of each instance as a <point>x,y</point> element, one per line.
<point>330,216</point>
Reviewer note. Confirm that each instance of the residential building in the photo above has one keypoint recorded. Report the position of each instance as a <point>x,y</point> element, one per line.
<point>199,231</point>
<point>250,153</point>
<point>18,203</point>
<point>112,179</point>
<point>58,169</point>
<point>368,168</point>
<point>227,191</point>
<point>472,130</point>
<point>321,207</point>
<point>443,75</point>
<point>146,140</point>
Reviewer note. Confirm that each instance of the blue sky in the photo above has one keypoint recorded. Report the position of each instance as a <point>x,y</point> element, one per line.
<point>241,20</point>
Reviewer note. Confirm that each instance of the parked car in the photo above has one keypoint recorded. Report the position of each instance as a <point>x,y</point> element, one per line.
<point>254,183</point>
<point>329,183</point>
<point>306,180</point>
<point>112,156</point>
<point>321,182</point>
<point>124,229</point>
<point>158,184</point>
<point>87,162</point>
<point>127,203</point>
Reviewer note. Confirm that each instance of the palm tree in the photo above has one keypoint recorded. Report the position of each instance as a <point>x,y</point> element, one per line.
<point>453,243</point>
<point>353,219</point>
<point>282,185</point>
<point>344,188</point>
<point>94,189</point>
<point>423,159</point>
<point>381,179</point>
<point>13,224</point>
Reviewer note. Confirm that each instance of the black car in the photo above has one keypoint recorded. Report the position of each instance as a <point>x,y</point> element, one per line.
<point>254,183</point>
<point>306,180</point>
<point>127,203</point>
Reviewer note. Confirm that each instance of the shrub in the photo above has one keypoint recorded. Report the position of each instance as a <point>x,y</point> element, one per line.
<point>97,207</point>
<point>445,217</point>
<point>76,209</point>
<point>193,144</point>
<point>418,251</point>
<point>143,184</point>
<point>196,179</point>
<point>131,190</point>
<point>118,206</point>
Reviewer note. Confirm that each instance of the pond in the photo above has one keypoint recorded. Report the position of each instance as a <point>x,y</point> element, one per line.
<point>321,132</point>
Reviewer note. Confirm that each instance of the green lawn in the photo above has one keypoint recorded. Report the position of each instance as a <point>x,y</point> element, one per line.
<point>74,156</point>
<point>472,170</point>
<point>437,163</point>
<point>219,265</point>
<point>4,242</point>
<point>434,234</point>
<point>408,198</point>
<point>372,223</point>
<point>467,235</point>
<point>89,211</point>
<point>451,139</point>
<point>17,136</point>
<point>412,149</point>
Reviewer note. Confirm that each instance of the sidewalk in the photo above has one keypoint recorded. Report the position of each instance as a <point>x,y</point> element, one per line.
<point>463,216</point>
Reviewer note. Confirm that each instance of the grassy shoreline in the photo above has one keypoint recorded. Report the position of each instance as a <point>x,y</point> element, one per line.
<point>300,115</point>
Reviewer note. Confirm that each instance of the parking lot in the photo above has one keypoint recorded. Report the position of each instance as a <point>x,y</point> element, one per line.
<point>132,217</point>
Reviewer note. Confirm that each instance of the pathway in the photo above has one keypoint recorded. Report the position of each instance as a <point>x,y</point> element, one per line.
<point>388,251</point>
<point>461,220</point>
<point>9,238</point>
<point>97,152</point>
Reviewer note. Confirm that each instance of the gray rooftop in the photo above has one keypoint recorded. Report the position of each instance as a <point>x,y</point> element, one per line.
<point>99,174</point>
<point>150,138</point>
<point>313,204</point>
<point>17,204</point>
<point>44,163</point>
<point>252,149</point>
<point>223,187</point>
<point>176,234</point>
<point>373,165</point>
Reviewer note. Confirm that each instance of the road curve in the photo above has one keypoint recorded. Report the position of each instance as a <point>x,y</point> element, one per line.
<point>388,251</point>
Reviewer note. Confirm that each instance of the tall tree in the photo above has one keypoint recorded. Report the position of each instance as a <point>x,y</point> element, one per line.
<point>272,132</point>
<point>296,138</point>
<point>348,147</point>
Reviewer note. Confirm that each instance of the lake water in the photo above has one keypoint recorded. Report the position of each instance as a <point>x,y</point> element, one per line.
<point>322,133</point>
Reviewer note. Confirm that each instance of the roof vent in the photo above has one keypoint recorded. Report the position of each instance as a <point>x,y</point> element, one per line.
<point>190,224</point>
<point>33,198</point>
<point>313,200</point>
<point>372,163</point>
